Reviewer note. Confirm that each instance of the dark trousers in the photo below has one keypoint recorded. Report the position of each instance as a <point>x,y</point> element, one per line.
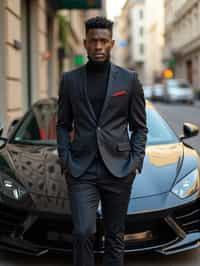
<point>85,192</point>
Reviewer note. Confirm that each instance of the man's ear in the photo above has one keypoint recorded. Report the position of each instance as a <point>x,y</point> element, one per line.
<point>113,43</point>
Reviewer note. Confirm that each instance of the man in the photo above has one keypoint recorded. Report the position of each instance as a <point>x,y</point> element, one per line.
<point>98,101</point>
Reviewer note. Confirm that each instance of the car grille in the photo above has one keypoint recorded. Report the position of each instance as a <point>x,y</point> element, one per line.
<point>146,231</point>
<point>10,219</point>
<point>58,234</point>
<point>154,232</point>
<point>188,217</point>
<point>55,232</point>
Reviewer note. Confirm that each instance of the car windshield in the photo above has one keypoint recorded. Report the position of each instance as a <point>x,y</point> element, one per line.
<point>159,131</point>
<point>39,127</point>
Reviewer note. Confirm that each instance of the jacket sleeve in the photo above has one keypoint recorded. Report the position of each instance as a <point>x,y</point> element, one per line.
<point>137,123</point>
<point>64,120</point>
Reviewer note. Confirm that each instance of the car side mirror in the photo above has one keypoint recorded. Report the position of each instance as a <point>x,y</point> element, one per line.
<point>189,130</point>
<point>1,129</point>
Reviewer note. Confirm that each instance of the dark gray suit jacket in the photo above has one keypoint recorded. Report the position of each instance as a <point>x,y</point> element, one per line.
<point>124,104</point>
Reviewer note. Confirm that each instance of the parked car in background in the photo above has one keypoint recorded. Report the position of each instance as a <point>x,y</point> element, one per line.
<point>164,206</point>
<point>158,92</point>
<point>179,90</point>
<point>147,91</point>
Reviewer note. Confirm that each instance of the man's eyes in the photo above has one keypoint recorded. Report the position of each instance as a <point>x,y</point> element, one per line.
<point>102,41</point>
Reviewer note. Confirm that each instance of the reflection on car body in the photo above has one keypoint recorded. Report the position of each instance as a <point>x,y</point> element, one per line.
<point>163,212</point>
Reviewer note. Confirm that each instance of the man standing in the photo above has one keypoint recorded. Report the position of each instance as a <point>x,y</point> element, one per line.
<point>98,101</point>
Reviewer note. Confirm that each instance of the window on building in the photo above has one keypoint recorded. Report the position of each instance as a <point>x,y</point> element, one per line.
<point>141,48</point>
<point>141,31</point>
<point>141,14</point>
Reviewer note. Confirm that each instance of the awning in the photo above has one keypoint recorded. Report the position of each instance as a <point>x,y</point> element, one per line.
<point>77,4</point>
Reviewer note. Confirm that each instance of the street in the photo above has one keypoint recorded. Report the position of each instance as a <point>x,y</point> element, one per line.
<point>189,258</point>
<point>176,115</point>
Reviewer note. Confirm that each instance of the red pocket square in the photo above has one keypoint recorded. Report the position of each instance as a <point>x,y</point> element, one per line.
<point>119,93</point>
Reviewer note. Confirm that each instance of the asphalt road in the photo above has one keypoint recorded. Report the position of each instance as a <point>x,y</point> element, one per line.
<point>189,258</point>
<point>176,116</point>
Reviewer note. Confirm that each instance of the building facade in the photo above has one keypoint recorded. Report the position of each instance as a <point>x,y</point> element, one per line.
<point>120,53</point>
<point>182,34</point>
<point>138,45</point>
<point>37,43</point>
<point>140,29</point>
<point>27,37</point>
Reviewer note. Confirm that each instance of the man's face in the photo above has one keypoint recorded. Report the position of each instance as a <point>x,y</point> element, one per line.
<point>98,44</point>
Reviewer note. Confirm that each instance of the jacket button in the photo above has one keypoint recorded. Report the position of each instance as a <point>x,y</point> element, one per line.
<point>98,128</point>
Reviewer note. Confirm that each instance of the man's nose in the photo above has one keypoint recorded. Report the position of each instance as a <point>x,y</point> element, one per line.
<point>98,45</point>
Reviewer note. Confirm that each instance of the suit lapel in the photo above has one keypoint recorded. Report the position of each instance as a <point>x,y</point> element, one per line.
<point>110,89</point>
<point>84,93</point>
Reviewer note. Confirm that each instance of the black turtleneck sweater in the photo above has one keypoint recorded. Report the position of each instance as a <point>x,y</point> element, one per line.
<point>97,81</point>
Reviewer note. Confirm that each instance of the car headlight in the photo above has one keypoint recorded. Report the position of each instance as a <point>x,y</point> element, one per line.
<point>188,185</point>
<point>10,188</point>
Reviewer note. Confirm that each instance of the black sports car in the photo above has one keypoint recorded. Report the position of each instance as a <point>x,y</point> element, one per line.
<point>164,209</point>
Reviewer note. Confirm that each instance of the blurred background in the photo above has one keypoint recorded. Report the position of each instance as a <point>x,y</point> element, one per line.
<point>39,39</point>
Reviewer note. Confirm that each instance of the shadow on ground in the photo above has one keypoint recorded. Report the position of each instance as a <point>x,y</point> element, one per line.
<point>188,258</point>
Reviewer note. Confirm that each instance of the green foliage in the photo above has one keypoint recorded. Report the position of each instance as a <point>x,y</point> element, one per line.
<point>63,31</point>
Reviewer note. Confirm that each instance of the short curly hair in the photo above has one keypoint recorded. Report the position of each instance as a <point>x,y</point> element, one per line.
<point>99,23</point>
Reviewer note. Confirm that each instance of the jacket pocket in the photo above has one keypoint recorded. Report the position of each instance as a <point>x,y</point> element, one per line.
<point>124,146</point>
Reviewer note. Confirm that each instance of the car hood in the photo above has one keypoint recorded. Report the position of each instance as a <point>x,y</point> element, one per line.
<point>38,169</point>
<point>163,166</point>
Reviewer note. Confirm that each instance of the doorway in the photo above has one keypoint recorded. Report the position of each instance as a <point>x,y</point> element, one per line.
<point>189,72</point>
<point>2,66</point>
<point>26,54</point>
